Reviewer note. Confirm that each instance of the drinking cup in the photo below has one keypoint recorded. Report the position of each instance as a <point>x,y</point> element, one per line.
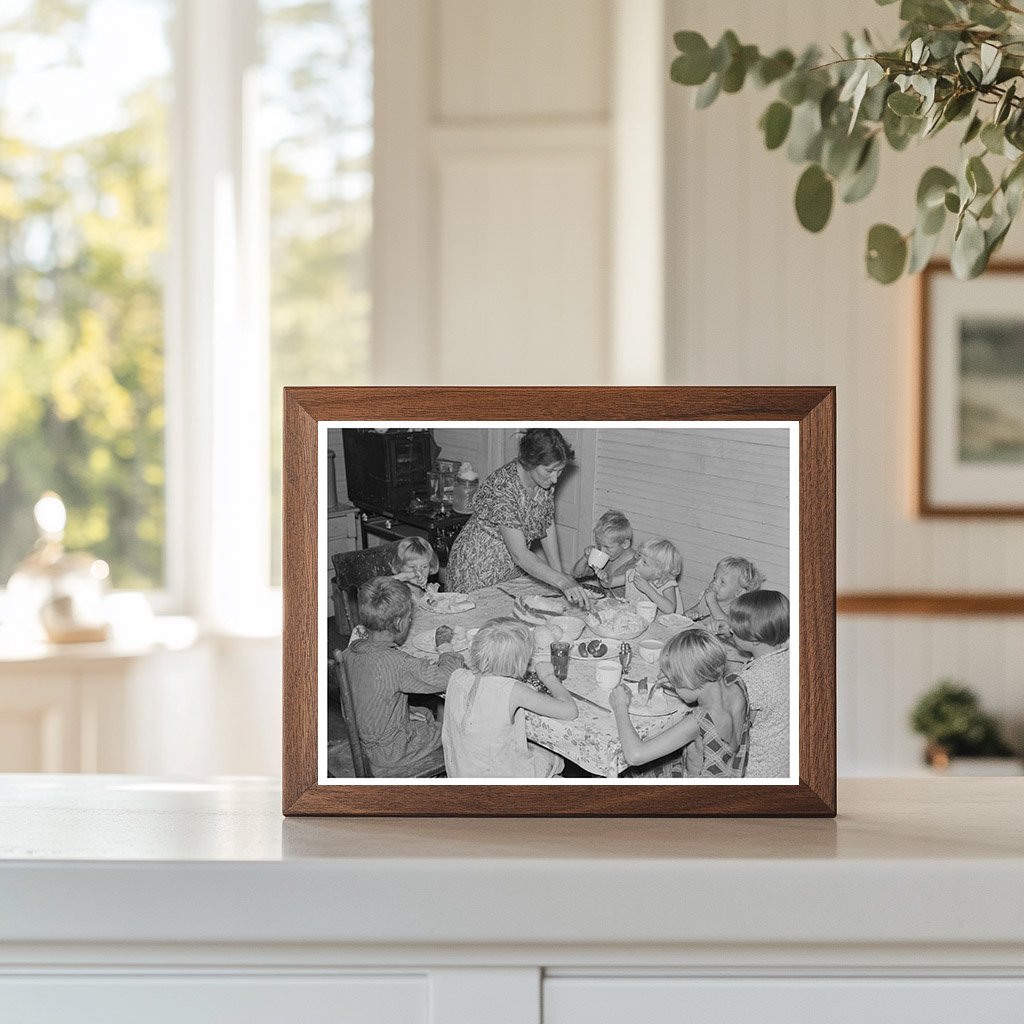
<point>650,650</point>
<point>608,672</point>
<point>597,559</point>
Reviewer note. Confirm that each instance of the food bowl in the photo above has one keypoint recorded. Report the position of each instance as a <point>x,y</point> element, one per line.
<point>570,626</point>
<point>650,650</point>
<point>617,623</point>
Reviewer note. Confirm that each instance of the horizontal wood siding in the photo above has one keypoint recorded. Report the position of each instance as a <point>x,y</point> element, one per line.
<point>712,492</point>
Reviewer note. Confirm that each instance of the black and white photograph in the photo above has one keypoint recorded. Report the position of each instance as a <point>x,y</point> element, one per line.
<point>558,603</point>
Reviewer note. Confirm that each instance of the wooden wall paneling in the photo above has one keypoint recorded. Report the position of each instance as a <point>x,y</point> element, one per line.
<point>522,241</point>
<point>530,59</point>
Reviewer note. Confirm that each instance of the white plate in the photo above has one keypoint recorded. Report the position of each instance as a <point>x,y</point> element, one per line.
<point>447,603</point>
<point>424,642</point>
<point>675,622</point>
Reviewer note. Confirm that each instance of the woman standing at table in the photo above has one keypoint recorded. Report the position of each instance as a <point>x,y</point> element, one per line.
<point>513,509</point>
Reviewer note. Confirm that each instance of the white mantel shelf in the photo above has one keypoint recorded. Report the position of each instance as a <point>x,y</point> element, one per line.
<point>916,879</point>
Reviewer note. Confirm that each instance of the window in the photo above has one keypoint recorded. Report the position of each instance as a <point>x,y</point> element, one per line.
<point>83,236</point>
<point>316,119</point>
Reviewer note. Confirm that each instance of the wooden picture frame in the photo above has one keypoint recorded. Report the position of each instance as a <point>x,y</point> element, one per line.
<point>969,447</point>
<point>808,413</point>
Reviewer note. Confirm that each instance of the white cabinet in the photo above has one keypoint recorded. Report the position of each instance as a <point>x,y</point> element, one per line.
<point>213,999</point>
<point>825,1000</point>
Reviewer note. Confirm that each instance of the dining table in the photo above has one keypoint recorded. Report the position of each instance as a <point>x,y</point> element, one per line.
<point>591,740</point>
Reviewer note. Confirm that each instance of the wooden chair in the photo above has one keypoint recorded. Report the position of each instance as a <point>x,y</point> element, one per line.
<point>360,762</point>
<point>351,570</point>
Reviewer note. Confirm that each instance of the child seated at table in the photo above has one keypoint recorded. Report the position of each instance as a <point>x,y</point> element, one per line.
<point>613,534</point>
<point>415,561</point>
<point>733,576</point>
<point>484,731</point>
<point>694,665</point>
<point>653,577</point>
<point>760,626</point>
<point>399,741</point>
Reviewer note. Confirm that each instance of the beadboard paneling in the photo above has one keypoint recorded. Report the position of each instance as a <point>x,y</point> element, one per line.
<point>711,492</point>
<point>753,298</point>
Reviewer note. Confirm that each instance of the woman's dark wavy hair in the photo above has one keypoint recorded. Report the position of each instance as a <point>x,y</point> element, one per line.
<point>542,446</point>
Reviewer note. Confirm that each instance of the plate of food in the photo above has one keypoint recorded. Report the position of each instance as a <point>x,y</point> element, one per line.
<point>653,704</point>
<point>593,649</point>
<point>535,610</point>
<point>446,602</point>
<point>617,622</point>
<point>425,642</point>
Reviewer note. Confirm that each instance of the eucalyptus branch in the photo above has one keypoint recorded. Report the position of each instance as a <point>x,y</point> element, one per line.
<point>833,117</point>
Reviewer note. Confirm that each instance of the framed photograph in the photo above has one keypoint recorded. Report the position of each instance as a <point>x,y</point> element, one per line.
<point>559,601</point>
<point>970,451</point>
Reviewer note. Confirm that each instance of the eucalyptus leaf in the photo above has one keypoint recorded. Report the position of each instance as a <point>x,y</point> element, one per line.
<point>968,247</point>
<point>814,195</point>
<point>724,51</point>
<point>972,132</point>
<point>805,133</point>
<point>865,173</point>
<point>922,248</point>
<point>987,15</point>
<point>952,202</point>
<point>1005,104</point>
<point>904,103</point>
<point>931,190</point>
<point>978,175</point>
<point>886,253</point>
<point>993,138</point>
<point>771,69</point>
<point>991,60</point>
<point>775,123</point>
<point>708,92</point>
<point>794,88</point>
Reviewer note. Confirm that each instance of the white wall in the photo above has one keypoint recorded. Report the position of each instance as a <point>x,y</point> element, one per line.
<point>754,299</point>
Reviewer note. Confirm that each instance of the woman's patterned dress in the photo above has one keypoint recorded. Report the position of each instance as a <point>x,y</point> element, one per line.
<point>479,557</point>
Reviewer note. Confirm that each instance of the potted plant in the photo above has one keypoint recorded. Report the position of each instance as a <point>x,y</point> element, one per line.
<point>950,717</point>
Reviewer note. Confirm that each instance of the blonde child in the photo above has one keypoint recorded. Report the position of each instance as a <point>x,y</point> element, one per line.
<point>653,577</point>
<point>760,627</point>
<point>399,741</point>
<point>484,731</point>
<point>733,576</point>
<point>613,534</point>
<point>414,562</point>
<point>694,663</point>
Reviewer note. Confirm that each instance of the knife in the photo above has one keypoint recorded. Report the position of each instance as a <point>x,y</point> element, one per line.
<point>587,700</point>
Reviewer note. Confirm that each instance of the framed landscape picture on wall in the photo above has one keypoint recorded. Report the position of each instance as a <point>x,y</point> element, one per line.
<point>561,601</point>
<point>970,450</point>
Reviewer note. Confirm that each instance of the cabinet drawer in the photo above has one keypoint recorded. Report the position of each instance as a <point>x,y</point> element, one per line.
<point>202,999</point>
<point>661,1000</point>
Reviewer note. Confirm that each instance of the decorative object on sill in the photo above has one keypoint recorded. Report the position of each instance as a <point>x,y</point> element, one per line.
<point>955,61</point>
<point>970,421</point>
<point>950,717</point>
<point>58,594</point>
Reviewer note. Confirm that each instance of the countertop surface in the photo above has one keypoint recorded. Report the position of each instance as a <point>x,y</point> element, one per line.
<point>125,859</point>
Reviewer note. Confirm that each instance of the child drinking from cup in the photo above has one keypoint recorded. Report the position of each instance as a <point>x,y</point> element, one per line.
<point>399,741</point>
<point>484,731</point>
<point>760,626</point>
<point>694,664</point>
<point>733,576</point>
<point>613,540</point>
<point>654,576</point>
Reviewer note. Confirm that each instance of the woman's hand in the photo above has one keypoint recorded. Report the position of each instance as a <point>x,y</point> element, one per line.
<point>573,592</point>
<point>620,698</point>
<point>443,635</point>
